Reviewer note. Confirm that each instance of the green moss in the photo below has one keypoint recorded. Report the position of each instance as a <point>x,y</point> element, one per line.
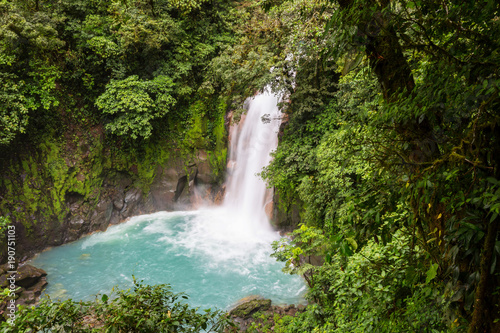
<point>30,196</point>
<point>194,136</point>
<point>146,176</point>
<point>217,160</point>
<point>46,179</point>
<point>218,156</point>
<point>154,155</point>
<point>8,185</point>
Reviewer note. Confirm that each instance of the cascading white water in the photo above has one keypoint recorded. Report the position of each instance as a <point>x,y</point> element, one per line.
<point>216,255</point>
<point>252,141</point>
<point>239,230</point>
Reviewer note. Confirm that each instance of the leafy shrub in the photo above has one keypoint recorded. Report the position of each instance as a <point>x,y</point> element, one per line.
<point>144,309</point>
<point>373,289</point>
<point>134,103</point>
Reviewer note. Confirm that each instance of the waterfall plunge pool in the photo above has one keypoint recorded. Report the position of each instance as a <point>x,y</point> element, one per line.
<point>216,256</point>
<point>213,255</point>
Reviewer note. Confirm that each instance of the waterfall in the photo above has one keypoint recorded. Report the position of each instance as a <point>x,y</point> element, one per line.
<point>217,255</point>
<point>252,141</point>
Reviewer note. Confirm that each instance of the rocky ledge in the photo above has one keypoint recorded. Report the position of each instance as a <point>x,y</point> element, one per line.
<point>26,284</point>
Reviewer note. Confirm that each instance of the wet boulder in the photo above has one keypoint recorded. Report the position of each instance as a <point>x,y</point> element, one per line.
<point>28,275</point>
<point>247,307</point>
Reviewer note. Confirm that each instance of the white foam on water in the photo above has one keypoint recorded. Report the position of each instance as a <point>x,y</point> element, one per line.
<point>119,233</point>
<point>238,233</point>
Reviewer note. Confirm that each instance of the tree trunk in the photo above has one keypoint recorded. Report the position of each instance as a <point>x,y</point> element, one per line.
<point>385,54</point>
<point>481,317</point>
<point>486,302</point>
<point>152,5</point>
<point>387,59</point>
<point>394,76</point>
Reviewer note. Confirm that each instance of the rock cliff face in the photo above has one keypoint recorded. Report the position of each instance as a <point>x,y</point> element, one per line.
<point>175,186</point>
<point>55,192</point>
<point>285,217</point>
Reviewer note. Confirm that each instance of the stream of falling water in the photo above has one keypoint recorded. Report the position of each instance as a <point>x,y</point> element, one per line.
<point>252,142</point>
<point>215,255</point>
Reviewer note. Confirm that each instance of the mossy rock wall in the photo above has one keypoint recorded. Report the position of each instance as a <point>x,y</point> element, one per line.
<point>286,216</point>
<point>57,190</point>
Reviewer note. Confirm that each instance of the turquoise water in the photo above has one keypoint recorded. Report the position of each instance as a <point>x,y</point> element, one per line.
<point>213,255</point>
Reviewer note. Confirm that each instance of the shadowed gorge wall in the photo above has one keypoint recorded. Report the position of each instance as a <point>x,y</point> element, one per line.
<point>58,190</point>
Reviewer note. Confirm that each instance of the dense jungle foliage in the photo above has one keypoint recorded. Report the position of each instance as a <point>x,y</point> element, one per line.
<point>392,154</point>
<point>135,67</point>
<point>391,149</point>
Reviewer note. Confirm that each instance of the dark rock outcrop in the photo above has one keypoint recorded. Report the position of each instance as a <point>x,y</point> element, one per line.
<point>285,217</point>
<point>28,286</point>
<point>28,276</point>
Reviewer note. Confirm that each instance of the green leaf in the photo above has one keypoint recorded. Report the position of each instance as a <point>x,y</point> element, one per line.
<point>431,273</point>
<point>352,243</point>
<point>493,217</point>
<point>493,180</point>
